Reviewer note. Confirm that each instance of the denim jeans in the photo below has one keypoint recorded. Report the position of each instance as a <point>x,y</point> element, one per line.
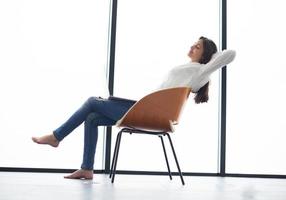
<point>94,112</point>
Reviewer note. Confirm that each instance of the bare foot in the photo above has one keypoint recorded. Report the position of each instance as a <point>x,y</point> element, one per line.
<point>47,139</point>
<point>81,174</point>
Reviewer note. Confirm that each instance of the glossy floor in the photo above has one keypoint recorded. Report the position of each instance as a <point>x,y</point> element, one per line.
<point>52,186</point>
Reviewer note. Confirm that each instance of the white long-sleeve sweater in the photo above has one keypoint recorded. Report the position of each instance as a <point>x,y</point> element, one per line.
<point>196,75</point>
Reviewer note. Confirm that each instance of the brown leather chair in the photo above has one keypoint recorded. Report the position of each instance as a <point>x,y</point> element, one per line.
<point>154,114</point>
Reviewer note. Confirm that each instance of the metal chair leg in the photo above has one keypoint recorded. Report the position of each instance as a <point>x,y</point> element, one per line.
<point>180,173</point>
<point>116,157</point>
<point>114,153</point>
<point>166,157</point>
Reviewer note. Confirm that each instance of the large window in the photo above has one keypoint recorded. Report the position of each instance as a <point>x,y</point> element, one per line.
<point>52,58</point>
<point>256,84</point>
<point>153,37</point>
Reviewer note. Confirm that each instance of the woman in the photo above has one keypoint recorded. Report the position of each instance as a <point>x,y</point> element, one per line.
<point>105,112</point>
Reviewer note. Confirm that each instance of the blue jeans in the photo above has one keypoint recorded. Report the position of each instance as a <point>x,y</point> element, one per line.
<point>94,112</point>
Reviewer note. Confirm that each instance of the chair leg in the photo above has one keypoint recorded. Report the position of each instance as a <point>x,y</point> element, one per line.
<point>113,158</point>
<point>166,157</point>
<point>180,173</point>
<point>116,157</point>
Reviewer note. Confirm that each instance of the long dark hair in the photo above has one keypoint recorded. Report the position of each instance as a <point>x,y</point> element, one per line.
<point>202,95</point>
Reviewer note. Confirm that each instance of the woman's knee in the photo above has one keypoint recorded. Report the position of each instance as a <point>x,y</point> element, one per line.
<point>90,100</point>
<point>94,100</point>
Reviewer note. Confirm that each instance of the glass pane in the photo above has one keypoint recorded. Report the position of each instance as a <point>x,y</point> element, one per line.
<point>256,82</point>
<point>153,37</point>
<point>52,58</point>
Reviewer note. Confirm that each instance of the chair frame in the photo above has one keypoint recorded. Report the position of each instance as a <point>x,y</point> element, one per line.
<point>138,131</point>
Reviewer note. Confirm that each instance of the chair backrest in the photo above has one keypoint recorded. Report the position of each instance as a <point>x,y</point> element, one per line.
<point>158,111</point>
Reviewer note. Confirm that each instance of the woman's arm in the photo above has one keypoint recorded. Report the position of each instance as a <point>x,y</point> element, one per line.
<point>218,60</point>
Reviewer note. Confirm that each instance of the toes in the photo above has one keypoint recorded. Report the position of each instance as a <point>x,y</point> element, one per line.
<point>46,140</point>
<point>71,177</point>
<point>35,139</point>
<point>79,175</point>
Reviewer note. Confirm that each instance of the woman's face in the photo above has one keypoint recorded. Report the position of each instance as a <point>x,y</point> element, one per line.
<point>196,51</point>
